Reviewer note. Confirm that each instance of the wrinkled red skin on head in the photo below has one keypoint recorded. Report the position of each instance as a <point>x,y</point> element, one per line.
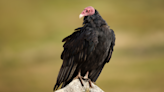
<point>88,11</point>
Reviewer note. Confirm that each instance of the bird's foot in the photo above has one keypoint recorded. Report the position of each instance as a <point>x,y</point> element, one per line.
<point>86,78</point>
<point>80,78</point>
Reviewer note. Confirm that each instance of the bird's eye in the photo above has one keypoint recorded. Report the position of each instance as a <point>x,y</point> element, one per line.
<point>86,10</point>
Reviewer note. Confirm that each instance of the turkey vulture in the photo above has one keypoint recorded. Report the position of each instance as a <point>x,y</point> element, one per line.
<point>86,50</point>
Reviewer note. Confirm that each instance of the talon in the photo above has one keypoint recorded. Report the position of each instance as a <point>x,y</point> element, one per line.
<point>81,81</point>
<point>79,77</point>
<point>90,83</point>
<point>86,78</point>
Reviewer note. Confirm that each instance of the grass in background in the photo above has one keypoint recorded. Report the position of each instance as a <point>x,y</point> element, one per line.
<point>31,34</point>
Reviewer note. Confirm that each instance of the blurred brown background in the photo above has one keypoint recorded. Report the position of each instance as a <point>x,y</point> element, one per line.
<point>30,43</point>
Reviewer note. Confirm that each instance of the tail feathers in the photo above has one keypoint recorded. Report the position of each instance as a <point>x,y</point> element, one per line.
<point>94,74</point>
<point>56,87</point>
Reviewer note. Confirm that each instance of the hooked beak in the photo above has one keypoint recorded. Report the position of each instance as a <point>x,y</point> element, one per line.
<point>80,16</point>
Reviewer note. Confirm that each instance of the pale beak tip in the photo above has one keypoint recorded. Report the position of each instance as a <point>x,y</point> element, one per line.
<point>80,16</point>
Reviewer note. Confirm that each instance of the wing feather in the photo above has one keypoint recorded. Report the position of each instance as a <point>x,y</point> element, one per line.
<point>76,48</point>
<point>95,73</point>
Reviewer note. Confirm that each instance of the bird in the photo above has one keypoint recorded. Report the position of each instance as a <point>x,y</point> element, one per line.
<point>87,49</point>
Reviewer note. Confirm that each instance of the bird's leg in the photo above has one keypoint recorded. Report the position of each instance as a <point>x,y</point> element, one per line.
<point>79,77</point>
<point>86,78</point>
<point>86,75</point>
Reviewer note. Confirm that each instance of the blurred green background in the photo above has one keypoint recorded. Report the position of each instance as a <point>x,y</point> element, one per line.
<point>30,43</point>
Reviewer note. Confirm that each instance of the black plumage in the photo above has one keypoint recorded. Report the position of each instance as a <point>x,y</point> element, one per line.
<point>89,48</point>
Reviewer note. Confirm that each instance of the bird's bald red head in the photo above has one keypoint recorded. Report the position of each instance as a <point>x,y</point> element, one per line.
<point>88,11</point>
